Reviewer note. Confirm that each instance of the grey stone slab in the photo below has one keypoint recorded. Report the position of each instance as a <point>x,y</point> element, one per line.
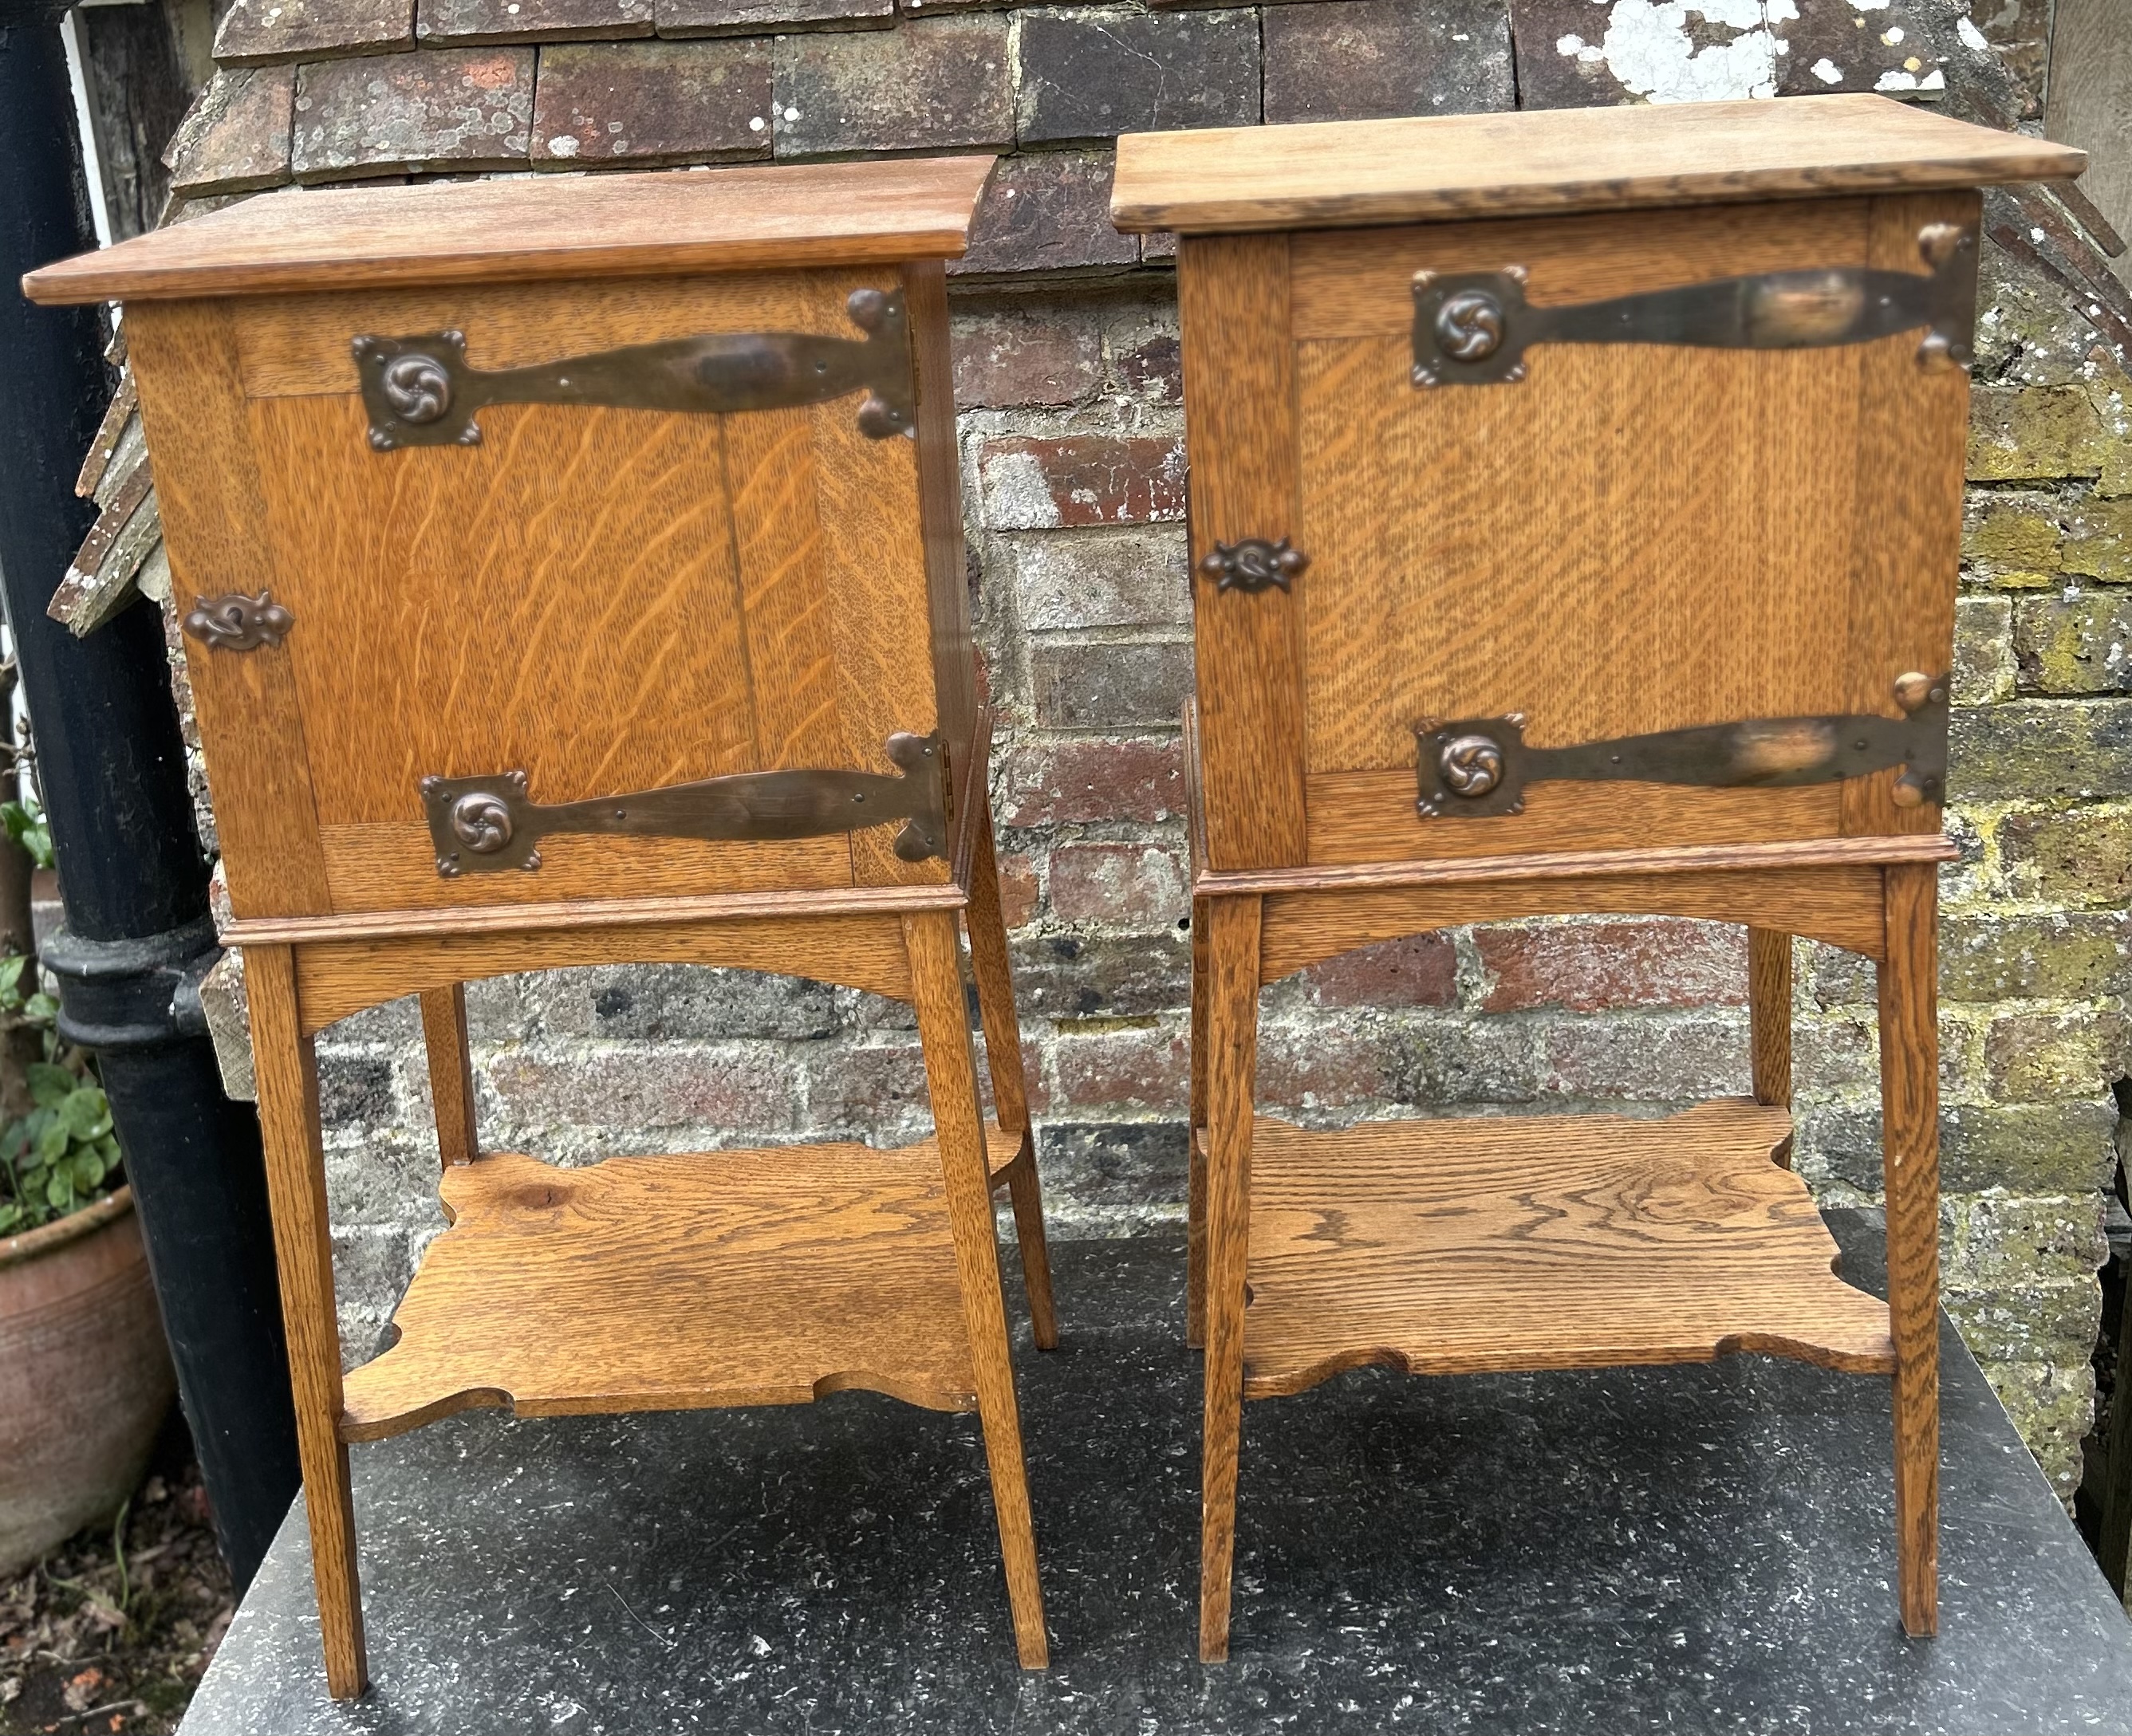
<point>1704,1548</point>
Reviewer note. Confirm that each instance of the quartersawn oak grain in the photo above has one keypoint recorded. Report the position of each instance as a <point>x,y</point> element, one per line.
<point>543,225</point>
<point>1448,1247</point>
<point>1342,173</point>
<point>640,1283</point>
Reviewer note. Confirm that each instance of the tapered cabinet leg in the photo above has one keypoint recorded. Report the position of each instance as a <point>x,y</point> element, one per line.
<point>1909,1112</point>
<point>1769,1011</point>
<point>451,1072</point>
<point>1231,987</point>
<point>1195,1178</point>
<point>288,1084</point>
<point>936,983</point>
<point>988,959</point>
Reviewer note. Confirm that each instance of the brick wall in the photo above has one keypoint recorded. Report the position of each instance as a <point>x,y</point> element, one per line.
<point>1066,376</point>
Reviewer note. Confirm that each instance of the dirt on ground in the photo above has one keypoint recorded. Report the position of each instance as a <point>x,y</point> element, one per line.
<point>111,1631</point>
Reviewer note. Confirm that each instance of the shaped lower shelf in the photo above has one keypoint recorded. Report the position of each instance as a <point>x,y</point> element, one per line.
<point>770,1277</point>
<point>1541,1242</point>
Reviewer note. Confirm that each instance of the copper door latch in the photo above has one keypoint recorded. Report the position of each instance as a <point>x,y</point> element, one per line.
<point>1480,766</point>
<point>1473,328</point>
<point>486,824</point>
<point>419,391</point>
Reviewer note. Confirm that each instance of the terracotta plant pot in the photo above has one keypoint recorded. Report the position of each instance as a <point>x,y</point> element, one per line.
<point>84,1375</point>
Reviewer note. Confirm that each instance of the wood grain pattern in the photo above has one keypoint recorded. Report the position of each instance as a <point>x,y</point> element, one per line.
<point>1909,1124</point>
<point>1841,905</point>
<point>950,1079</point>
<point>1673,523</point>
<point>340,978</point>
<point>1240,430</point>
<point>1357,172</point>
<point>1446,1247</point>
<point>1368,816</point>
<point>2088,104</point>
<point>675,1283</point>
<point>542,226</point>
<point>990,965</point>
<point>183,361</point>
<point>1914,431</point>
<point>1769,1011</point>
<point>286,1071</point>
<point>1232,1013</point>
<point>940,499</point>
<point>450,1067</point>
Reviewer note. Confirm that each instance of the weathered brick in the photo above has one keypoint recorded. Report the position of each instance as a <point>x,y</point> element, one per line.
<point>1031,482</point>
<point>371,1267</point>
<point>1313,1066</point>
<point>235,137</point>
<point>636,1092</point>
<point>929,84</point>
<point>1101,976</point>
<point>1124,578</point>
<point>356,1088</point>
<point>465,23</point>
<point>1114,1163</point>
<point>1357,59</point>
<point>2061,956</point>
<point>1094,74</point>
<point>438,108</point>
<point>1009,358</point>
<point>1145,1068</point>
<point>1020,891</point>
<point>1588,966</point>
<point>2026,1147</point>
<point>1109,686</point>
<point>1149,365</point>
<point>652,103</point>
<point>2008,1242</point>
<point>1421,971</point>
<point>1046,212</point>
<point>2040,750</point>
<point>1128,883</point>
<point>1442,1063</point>
<point>2075,642</point>
<point>1839,1053</point>
<point>2037,1323</point>
<point>2037,1057</point>
<point>1132,779</point>
<point>743,17</point>
<point>2023,433</point>
<point>875,1091</point>
<point>1985,671</point>
<point>1650,1060</point>
<point>649,1002</point>
<point>2079,855</point>
<point>2012,537</point>
<point>261,32</point>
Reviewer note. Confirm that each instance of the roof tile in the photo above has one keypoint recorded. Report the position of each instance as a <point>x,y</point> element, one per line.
<point>1093,75</point>
<point>1362,59</point>
<point>449,109</point>
<point>454,23</point>
<point>932,84</point>
<point>235,137</point>
<point>738,17</point>
<point>1049,211</point>
<point>266,32</point>
<point>650,103</point>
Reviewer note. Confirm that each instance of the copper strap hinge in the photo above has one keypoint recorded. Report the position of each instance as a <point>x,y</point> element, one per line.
<point>419,391</point>
<point>483,825</point>
<point>1473,328</point>
<point>1480,766</point>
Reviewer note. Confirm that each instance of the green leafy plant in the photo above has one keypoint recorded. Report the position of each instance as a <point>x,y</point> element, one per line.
<point>25,825</point>
<point>62,1155</point>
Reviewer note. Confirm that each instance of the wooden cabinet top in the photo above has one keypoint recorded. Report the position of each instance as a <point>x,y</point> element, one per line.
<point>545,227</point>
<point>1343,174</point>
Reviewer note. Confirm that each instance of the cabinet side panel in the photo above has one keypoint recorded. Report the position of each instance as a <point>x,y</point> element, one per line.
<point>1240,416</point>
<point>940,502</point>
<point>184,362</point>
<point>1906,559</point>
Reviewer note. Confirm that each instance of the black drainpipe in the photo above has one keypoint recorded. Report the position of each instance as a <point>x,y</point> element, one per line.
<point>113,769</point>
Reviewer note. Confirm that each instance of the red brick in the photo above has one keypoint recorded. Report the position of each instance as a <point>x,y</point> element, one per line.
<point>1019,891</point>
<point>1421,971</point>
<point>1318,1065</point>
<point>1049,212</point>
<point>1006,360</point>
<point>1117,883</point>
<point>1150,367</point>
<point>1109,687</point>
<point>1033,483</point>
<point>646,1088</point>
<point>1589,966</point>
<point>1053,783</point>
<point>865,1089</point>
<point>1130,1069</point>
